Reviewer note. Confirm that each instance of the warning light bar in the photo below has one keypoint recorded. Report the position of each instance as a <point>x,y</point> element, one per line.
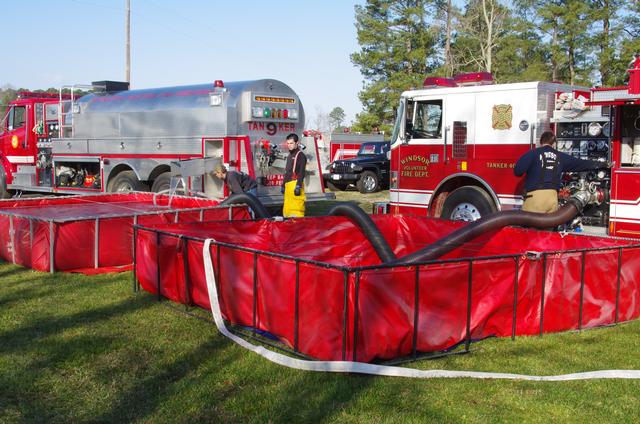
<point>434,82</point>
<point>474,78</point>
<point>274,113</point>
<point>33,95</point>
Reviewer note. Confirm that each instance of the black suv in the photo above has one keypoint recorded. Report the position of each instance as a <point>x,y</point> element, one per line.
<point>369,170</point>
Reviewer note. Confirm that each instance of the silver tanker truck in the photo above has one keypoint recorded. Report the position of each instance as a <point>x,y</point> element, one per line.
<point>116,139</point>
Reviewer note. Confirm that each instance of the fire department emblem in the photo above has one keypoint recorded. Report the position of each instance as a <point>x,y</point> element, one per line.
<point>501,117</point>
<point>14,141</point>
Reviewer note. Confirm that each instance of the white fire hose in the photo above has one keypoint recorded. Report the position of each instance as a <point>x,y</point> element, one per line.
<point>364,368</point>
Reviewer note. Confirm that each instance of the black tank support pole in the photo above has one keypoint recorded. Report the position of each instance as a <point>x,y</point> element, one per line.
<point>187,271</point>
<point>355,318</point>
<point>416,314</point>
<point>581,310</point>
<point>255,293</point>
<point>515,298</point>
<point>618,285</point>
<point>158,276</point>
<point>296,314</point>
<point>467,342</point>
<point>345,314</point>
<point>542,292</point>
<point>135,259</point>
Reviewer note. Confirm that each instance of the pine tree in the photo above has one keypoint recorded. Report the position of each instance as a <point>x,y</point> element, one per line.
<point>398,48</point>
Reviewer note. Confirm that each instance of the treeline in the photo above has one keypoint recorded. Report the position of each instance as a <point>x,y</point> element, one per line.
<point>587,42</point>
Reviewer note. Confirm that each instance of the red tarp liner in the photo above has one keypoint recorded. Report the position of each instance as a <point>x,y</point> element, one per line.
<point>27,227</point>
<point>385,307</point>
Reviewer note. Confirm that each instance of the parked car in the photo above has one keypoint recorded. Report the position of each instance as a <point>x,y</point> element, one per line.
<point>369,170</point>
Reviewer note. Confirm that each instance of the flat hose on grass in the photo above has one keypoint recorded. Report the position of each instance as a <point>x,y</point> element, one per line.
<point>252,201</point>
<point>373,234</point>
<point>492,222</point>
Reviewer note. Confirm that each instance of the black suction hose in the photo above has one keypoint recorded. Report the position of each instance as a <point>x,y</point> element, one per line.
<point>373,234</point>
<point>446,244</point>
<point>249,199</point>
<point>492,222</point>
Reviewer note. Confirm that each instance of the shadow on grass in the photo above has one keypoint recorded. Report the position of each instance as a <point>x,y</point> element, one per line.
<point>147,395</point>
<point>297,403</point>
<point>22,338</point>
<point>23,295</point>
<point>9,270</point>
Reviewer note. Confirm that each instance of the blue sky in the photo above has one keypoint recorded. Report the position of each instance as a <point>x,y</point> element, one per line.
<point>305,44</point>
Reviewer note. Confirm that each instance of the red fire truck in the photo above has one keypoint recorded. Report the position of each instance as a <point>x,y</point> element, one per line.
<point>116,139</point>
<point>456,141</point>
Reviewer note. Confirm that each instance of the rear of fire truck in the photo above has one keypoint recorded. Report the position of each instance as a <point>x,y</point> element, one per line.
<point>618,131</point>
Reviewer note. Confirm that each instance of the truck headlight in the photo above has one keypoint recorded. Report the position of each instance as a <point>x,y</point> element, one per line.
<point>595,129</point>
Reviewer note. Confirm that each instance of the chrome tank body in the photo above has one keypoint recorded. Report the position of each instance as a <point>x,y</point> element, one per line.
<point>182,111</point>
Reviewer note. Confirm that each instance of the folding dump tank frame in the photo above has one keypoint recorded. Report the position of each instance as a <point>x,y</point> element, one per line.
<point>92,233</point>
<point>317,284</point>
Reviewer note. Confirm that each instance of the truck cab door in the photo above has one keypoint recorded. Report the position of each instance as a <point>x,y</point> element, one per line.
<point>15,136</point>
<point>423,154</point>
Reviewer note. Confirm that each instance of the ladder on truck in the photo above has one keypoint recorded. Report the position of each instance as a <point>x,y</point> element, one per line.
<point>67,108</point>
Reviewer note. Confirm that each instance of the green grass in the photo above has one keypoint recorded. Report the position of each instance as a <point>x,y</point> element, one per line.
<point>77,348</point>
<point>365,201</point>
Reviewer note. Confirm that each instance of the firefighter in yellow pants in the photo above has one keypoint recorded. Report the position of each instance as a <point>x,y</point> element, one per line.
<point>294,173</point>
<point>293,205</point>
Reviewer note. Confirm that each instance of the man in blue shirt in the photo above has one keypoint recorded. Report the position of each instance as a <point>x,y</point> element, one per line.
<point>544,167</point>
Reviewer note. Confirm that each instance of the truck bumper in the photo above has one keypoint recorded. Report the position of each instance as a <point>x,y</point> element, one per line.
<point>343,178</point>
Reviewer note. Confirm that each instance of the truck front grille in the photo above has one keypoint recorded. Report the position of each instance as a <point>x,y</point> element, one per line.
<point>340,168</point>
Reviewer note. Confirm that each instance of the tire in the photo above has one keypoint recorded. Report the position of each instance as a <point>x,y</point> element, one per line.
<point>126,181</point>
<point>336,186</point>
<point>162,182</point>
<point>368,182</point>
<point>4,193</point>
<point>467,203</point>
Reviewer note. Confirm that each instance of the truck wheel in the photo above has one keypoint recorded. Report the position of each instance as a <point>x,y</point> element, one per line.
<point>126,181</point>
<point>468,203</point>
<point>163,182</point>
<point>368,182</point>
<point>336,186</point>
<point>4,193</point>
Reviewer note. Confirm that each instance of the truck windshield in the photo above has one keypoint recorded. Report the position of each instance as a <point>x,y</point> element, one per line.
<point>373,149</point>
<point>399,117</point>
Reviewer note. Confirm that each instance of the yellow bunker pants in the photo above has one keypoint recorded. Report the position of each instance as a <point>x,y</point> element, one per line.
<point>293,205</point>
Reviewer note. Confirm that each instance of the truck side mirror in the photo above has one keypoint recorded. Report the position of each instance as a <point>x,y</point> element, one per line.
<point>408,131</point>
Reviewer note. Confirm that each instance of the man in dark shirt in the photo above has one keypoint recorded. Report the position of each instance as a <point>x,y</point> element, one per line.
<point>544,167</point>
<point>293,183</point>
<point>238,182</point>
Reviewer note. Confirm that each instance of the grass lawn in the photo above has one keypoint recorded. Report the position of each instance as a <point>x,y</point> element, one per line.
<point>365,201</point>
<point>77,348</point>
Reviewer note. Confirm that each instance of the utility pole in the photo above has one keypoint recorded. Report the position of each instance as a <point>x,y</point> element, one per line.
<point>127,29</point>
